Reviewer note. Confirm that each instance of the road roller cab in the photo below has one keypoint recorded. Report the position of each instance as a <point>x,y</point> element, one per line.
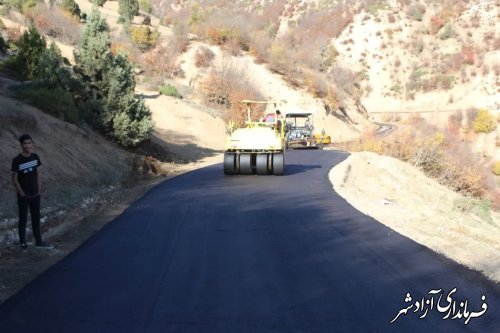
<point>256,147</point>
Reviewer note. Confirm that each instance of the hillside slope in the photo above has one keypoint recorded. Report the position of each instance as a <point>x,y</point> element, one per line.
<point>75,161</point>
<point>425,56</point>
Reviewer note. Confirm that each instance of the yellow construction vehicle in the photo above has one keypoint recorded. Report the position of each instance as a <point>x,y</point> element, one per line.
<point>300,132</point>
<point>258,146</point>
<point>322,138</point>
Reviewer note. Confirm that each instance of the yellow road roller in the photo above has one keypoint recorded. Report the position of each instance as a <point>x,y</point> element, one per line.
<point>257,146</point>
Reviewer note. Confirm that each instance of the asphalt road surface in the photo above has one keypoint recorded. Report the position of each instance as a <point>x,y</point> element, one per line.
<point>208,253</point>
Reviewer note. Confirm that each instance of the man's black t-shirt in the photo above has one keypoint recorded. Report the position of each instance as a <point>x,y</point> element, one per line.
<point>26,168</point>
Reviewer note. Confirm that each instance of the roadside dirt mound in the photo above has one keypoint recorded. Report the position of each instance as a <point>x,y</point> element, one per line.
<point>404,199</point>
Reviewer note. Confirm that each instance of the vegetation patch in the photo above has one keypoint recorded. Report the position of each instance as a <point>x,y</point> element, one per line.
<point>145,6</point>
<point>3,45</point>
<point>70,6</point>
<point>376,6</point>
<point>415,81</point>
<point>170,90</point>
<point>478,207</point>
<point>439,154</point>
<point>496,168</point>
<point>225,88</point>
<point>447,32</point>
<point>484,122</point>
<point>416,12</point>
<point>107,87</point>
<point>60,23</point>
<point>203,57</point>
<point>143,37</point>
<point>397,88</point>
<point>161,61</point>
<point>54,101</point>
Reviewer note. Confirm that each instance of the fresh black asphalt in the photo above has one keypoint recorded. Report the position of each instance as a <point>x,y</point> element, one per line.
<point>207,253</point>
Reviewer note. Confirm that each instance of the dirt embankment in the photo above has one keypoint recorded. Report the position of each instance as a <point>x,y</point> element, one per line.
<point>403,198</point>
<point>75,162</point>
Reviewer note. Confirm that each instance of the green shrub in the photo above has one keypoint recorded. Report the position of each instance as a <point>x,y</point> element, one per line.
<point>31,47</point>
<point>376,6</point>
<point>71,7</point>
<point>13,4</point>
<point>415,80</point>
<point>170,90</point>
<point>133,124</point>
<point>445,81</point>
<point>496,168</point>
<point>397,88</point>
<point>196,15</point>
<point>145,6</point>
<point>328,56</point>
<point>484,122</point>
<point>52,71</point>
<point>143,37</point>
<point>28,4</point>
<point>416,12</point>
<point>3,45</point>
<point>54,101</point>
<point>12,68</point>
<point>127,10</point>
<point>108,89</point>
<point>447,32</point>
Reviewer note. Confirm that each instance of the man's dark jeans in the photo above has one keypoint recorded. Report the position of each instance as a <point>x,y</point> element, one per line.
<point>34,205</point>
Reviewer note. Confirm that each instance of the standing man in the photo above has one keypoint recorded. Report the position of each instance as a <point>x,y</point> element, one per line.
<point>27,181</point>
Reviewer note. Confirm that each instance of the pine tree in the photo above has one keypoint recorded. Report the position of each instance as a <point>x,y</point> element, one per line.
<point>127,118</point>
<point>31,47</point>
<point>127,10</point>
<point>51,70</point>
<point>71,7</point>
<point>110,86</point>
<point>93,56</point>
<point>121,83</point>
<point>3,45</point>
<point>134,124</point>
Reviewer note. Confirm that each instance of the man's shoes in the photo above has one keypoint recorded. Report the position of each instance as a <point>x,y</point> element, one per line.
<point>44,245</point>
<point>24,246</point>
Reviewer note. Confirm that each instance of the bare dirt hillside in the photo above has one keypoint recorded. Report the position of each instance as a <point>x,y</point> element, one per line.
<point>425,56</point>
<point>185,128</point>
<point>273,87</point>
